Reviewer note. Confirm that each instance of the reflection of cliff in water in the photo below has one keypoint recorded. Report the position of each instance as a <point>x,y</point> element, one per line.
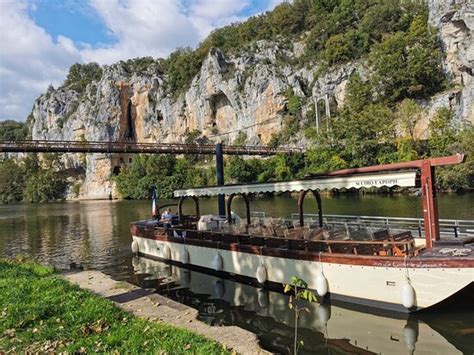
<point>324,329</point>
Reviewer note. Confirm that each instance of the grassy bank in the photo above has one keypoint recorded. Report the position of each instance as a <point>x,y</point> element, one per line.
<point>41,312</point>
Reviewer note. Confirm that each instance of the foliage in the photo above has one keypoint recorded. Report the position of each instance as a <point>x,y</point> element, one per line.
<point>442,133</point>
<point>241,139</point>
<point>31,180</point>
<point>298,290</point>
<point>181,67</point>
<point>166,172</point>
<point>446,138</point>
<point>334,30</point>
<point>44,186</point>
<point>41,312</point>
<point>80,75</point>
<point>287,134</point>
<point>13,130</point>
<point>243,170</point>
<point>408,64</point>
<point>409,114</point>
<point>294,102</point>
<point>12,181</point>
<point>279,167</point>
<point>141,65</point>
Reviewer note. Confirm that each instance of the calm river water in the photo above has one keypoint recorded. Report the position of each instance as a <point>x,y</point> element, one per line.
<point>96,234</point>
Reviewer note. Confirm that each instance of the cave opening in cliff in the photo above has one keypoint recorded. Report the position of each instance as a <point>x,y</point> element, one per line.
<point>130,124</point>
<point>218,102</point>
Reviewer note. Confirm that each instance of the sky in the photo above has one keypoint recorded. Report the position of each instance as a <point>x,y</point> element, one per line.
<point>41,39</point>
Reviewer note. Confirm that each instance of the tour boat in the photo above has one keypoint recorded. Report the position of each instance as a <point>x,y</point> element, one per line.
<point>386,269</point>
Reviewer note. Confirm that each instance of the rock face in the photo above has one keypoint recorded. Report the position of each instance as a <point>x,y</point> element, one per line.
<point>455,21</point>
<point>245,92</point>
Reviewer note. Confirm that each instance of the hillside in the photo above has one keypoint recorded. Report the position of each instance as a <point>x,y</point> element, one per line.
<point>356,82</point>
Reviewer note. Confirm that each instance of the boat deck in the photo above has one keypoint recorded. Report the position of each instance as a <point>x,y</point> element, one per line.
<point>451,248</point>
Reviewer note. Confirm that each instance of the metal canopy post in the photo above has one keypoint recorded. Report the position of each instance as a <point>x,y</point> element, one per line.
<point>301,197</point>
<point>229,208</point>
<point>180,207</point>
<point>429,203</point>
<point>220,178</point>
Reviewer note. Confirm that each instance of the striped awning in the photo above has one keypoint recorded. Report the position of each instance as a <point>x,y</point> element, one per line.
<point>401,178</point>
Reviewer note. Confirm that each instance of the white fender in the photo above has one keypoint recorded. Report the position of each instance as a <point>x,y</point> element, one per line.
<point>321,284</point>
<point>324,313</point>
<point>410,334</point>
<point>217,263</point>
<point>408,295</point>
<point>166,254</point>
<point>135,247</point>
<point>262,298</point>
<point>219,289</point>
<point>135,263</point>
<point>184,257</point>
<point>186,278</point>
<point>261,274</point>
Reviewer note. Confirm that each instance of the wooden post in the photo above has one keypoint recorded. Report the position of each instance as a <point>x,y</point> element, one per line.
<point>430,204</point>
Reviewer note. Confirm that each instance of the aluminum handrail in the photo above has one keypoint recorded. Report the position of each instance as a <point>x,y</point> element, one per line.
<point>449,227</point>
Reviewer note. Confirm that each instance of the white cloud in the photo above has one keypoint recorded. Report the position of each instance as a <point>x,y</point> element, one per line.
<point>30,59</point>
<point>143,28</point>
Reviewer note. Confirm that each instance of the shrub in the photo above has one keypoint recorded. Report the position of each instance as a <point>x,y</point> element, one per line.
<point>13,130</point>
<point>80,75</point>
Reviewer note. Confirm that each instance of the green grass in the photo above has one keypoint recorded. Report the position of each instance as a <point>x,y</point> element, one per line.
<point>41,312</point>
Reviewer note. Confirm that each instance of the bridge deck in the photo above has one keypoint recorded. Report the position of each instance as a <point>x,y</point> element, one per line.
<point>41,146</point>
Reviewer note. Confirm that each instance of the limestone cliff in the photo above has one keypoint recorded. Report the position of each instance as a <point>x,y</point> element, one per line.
<point>229,94</point>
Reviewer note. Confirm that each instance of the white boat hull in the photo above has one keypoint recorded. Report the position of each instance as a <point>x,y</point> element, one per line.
<point>378,286</point>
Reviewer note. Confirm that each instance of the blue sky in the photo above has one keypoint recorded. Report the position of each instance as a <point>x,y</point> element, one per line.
<point>75,19</point>
<point>41,39</point>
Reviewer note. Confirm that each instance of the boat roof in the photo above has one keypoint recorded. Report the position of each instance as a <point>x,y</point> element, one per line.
<point>389,179</point>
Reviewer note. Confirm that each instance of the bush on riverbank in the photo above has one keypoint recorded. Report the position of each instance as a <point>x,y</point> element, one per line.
<point>41,312</point>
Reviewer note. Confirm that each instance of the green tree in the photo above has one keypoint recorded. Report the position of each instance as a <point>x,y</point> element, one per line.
<point>180,68</point>
<point>12,181</point>
<point>442,133</point>
<point>81,75</point>
<point>409,114</point>
<point>408,65</point>
<point>44,186</point>
<point>13,130</point>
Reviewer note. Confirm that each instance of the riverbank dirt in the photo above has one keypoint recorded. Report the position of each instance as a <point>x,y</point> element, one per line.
<point>145,304</point>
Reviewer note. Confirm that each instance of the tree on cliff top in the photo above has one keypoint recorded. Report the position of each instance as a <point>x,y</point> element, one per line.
<point>81,75</point>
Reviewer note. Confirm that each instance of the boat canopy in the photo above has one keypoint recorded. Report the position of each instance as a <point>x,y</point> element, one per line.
<point>389,179</point>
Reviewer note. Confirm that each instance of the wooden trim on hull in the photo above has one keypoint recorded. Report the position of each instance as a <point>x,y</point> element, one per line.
<point>337,299</point>
<point>345,259</point>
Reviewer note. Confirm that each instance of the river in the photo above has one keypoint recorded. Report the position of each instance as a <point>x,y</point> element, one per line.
<point>96,235</point>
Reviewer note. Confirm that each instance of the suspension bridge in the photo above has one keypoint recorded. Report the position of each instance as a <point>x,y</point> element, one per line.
<point>48,146</point>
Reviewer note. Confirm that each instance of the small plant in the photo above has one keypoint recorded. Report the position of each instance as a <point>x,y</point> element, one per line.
<point>298,290</point>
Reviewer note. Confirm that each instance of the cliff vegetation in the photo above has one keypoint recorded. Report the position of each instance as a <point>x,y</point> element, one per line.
<point>354,82</point>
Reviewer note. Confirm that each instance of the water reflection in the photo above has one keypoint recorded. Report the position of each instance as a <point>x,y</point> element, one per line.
<point>325,328</point>
<point>96,235</point>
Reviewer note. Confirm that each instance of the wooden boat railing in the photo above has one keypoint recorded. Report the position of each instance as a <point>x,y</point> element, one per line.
<point>395,245</point>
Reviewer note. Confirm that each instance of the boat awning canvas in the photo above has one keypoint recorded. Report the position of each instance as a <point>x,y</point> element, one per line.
<point>401,178</point>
